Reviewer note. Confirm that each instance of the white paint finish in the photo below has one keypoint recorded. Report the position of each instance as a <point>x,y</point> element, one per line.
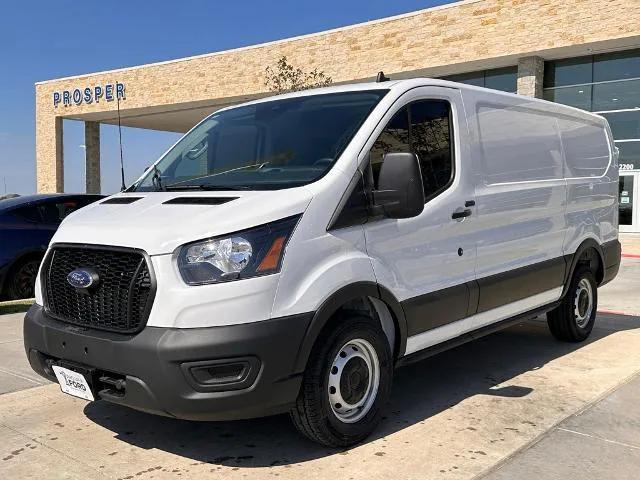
<point>586,148</point>
<point>447,332</point>
<point>592,202</point>
<point>516,143</point>
<point>519,224</point>
<point>319,266</point>
<point>419,255</point>
<point>318,263</point>
<point>159,229</point>
<point>520,189</point>
<point>178,305</point>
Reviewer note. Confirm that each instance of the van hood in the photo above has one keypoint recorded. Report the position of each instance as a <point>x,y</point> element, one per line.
<point>160,222</point>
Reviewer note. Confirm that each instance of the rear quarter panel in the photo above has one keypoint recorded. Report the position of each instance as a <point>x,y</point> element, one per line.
<point>592,202</point>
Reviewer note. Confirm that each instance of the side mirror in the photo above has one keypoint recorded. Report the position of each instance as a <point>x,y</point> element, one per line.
<point>400,193</point>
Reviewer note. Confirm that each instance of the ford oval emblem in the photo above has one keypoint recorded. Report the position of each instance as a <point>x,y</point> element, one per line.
<point>82,278</point>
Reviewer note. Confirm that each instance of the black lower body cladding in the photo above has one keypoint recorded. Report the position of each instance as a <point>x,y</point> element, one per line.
<point>155,364</point>
<point>612,252</point>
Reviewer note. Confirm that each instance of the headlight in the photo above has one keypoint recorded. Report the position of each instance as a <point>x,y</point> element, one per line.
<point>245,254</point>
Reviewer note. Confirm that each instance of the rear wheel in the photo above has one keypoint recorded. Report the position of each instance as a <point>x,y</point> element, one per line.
<point>346,384</point>
<point>573,319</point>
<point>22,279</point>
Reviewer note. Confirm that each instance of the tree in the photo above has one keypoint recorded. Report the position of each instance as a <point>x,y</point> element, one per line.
<point>284,77</point>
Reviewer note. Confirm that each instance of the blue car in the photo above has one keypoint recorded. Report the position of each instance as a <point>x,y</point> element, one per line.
<point>27,224</point>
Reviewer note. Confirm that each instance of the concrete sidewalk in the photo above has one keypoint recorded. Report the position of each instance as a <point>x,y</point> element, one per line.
<point>15,371</point>
<point>601,442</point>
<point>630,244</point>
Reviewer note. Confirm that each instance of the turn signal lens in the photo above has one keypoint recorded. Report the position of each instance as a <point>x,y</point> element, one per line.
<point>272,258</point>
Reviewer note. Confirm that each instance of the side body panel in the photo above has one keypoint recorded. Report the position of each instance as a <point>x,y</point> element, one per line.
<point>521,198</point>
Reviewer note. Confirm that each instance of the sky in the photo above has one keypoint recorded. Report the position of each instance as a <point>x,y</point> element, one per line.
<point>44,39</point>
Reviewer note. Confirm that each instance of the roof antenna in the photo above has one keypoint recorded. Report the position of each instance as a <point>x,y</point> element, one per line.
<point>123,187</point>
<point>381,77</point>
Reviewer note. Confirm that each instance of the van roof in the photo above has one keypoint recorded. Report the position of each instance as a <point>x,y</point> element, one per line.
<point>407,84</point>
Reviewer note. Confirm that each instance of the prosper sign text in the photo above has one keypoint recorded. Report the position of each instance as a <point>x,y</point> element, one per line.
<point>108,92</point>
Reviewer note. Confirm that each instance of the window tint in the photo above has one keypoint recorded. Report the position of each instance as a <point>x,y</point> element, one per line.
<point>585,147</point>
<point>30,214</point>
<point>422,128</point>
<point>616,66</point>
<point>475,78</point>
<point>504,79</point>
<point>579,97</point>
<point>53,213</point>
<point>624,125</point>
<point>629,154</point>
<point>431,141</point>
<point>572,71</point>
<point>193,161</point>
<point>274,144</point>
<point>616,95</point>
<point>393,139</point>
<point>518,145</point>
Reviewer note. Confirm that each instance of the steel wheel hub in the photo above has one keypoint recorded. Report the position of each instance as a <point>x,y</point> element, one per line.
<point>583,304</point>
<point>354,378</point>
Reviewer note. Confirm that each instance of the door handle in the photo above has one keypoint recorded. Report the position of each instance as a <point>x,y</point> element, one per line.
<point>461,214</point>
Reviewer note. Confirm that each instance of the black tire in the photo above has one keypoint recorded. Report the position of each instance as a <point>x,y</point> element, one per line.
<point>313,414</point>
<point>567,321</point>
<point>22,279</point>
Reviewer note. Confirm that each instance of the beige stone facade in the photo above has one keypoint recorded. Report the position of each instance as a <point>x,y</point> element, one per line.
<point>455,38</point>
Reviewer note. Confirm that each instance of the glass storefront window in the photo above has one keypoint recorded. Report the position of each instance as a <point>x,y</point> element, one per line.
<point>616,66</point>
<point>579,97</point>
<point>505,79</point>
<point>468,78</point>
<point>629,155</point>
<point>572,71</point>
<point>616,95</point>
<point>625,192</point>
<point>624,125</point>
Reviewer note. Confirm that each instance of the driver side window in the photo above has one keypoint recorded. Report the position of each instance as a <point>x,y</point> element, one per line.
<point>423,128</point>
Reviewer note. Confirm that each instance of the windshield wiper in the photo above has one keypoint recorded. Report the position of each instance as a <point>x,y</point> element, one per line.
<point>204,187</point>
<point>244,167</point>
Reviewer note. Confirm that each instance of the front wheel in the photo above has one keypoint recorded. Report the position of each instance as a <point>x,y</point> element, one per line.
<point>573,319</point>
<point>346,384</point>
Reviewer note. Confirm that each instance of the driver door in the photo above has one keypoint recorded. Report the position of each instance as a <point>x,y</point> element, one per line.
<point>428,262</point>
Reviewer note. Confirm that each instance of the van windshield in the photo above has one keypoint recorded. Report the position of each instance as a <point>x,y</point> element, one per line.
<point>271,145</point>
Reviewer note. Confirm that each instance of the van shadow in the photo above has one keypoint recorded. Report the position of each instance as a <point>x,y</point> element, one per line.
<point>420,391</point>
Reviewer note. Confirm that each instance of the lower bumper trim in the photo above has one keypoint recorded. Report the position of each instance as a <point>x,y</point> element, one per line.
<point>155,364</point>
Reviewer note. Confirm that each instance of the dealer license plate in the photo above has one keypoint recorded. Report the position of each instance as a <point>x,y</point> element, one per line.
<point>73,383</point>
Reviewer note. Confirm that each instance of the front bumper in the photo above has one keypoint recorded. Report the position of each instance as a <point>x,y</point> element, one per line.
<point>156,363</point>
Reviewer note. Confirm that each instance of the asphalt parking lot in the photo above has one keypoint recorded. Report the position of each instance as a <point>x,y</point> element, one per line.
<point>513,405</point>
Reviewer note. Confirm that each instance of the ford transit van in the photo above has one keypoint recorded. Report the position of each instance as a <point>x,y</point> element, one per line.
<point>287,254</point>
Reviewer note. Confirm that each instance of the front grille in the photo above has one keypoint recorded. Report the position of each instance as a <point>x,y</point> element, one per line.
<point>122,298</point>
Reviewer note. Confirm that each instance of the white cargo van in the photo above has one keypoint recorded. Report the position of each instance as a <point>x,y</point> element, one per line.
<point>287,254</point>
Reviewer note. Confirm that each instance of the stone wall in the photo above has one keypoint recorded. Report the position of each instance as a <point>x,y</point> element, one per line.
<point>460,33</point>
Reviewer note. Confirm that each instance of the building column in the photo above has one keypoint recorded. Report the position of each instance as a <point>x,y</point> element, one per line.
<point>92,156</point>
<point>530,76</point>
<point>49,154</point>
